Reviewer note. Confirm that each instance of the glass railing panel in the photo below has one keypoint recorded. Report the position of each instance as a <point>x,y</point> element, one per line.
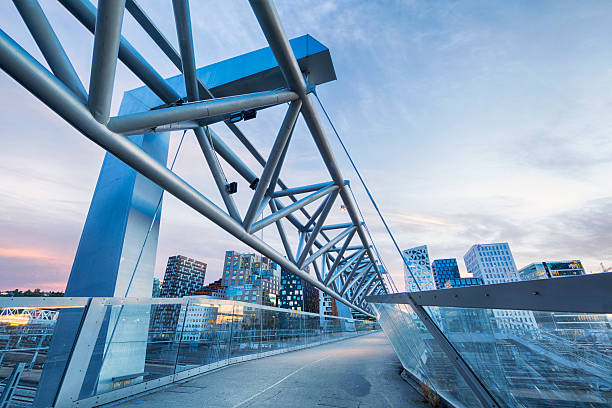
<point>421,355</point>
<point>204,337</point>
<point>30,352</point>
<point>246,326</point>
<point>534,359</point>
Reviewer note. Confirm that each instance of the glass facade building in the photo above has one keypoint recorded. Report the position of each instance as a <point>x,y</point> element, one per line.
<point>494,263</point>
<point>417,259</point>
<point>546,270</point>
<point>462,282</point>
<point>297,294</point>
<point>443,270</point>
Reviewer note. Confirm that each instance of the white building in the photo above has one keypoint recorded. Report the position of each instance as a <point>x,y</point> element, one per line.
<point>494,263</point>
<point>418,261</point>
<point>195,321</point>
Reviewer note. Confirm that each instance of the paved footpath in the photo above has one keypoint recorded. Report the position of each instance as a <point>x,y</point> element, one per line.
<point>359,372</point>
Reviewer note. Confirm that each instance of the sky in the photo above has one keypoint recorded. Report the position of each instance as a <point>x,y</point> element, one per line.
<point>471,122</point>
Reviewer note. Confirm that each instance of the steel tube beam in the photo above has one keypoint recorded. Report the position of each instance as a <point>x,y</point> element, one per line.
<point>282,233</point>
<point>271,164</point>
<point>337,271</point>
<point>291,208</point>
<point>335,226</point>
<point>300,190</point>
<point>359,278</point>
<point>85,12</point>
<point>326,247</point>
<point>182,20</point>
<point>217,171</point>
<point>104,60</point>
<point>151,29</point>
<point>338,259</point>
<point>270,24</point>
<point>317,228</point>
<point>49,45</point>
<point>21,66</point>
<point>198,110</point>
<point>364,285</point>
<point>346,286</point>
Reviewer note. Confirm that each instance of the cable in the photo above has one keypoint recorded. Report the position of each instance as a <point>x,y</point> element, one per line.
<point>367,190</point>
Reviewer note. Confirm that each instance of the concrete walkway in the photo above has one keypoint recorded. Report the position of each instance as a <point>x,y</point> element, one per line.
<point>360,372</point>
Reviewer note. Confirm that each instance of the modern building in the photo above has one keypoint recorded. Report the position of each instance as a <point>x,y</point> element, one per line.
<point>214,289</point>
<point>195,322</point>
<point>417,259</point>
<point>156,288</point>
<point>443,270</point>
<point>546,270</point>
<point>327,305</point>
<point>494,263</point>
<point>462,282</point>
<point>184,276</point>
<point>297,294</point>
<point>251,278</point>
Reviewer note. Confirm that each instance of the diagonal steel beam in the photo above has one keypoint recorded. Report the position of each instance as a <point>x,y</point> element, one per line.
<point>270,24</point>
<point>339,270</point>
<point>339,257</point>
<point>282,233</point>
<point>50,46</point>
<point>21,66</point>
<point>327,246</point>
<point>317,228</point>
<point>347,281</point>
<point>291,208</point>
<point>85,12</point>
<point>151,29</point>
<point>271,164</point>
<point>104,60</point>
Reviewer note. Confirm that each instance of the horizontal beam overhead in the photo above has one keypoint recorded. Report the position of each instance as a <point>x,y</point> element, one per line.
<point>574,294</point>
<point>198,110</point>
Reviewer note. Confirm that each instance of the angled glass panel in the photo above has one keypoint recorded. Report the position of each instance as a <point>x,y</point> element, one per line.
<point>421,355</point>
<point>534,359</point>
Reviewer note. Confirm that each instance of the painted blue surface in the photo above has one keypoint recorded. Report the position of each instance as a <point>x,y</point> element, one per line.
<point>246,72</point>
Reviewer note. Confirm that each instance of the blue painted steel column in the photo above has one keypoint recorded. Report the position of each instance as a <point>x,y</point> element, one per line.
<point>111,254</point>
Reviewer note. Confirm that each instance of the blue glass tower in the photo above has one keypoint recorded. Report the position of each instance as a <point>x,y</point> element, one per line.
<point>443,270</point>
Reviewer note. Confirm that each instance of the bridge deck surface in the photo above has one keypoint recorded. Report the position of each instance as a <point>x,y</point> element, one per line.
<point>359,372</point>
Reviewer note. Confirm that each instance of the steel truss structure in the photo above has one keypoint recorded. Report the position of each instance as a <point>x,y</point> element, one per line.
<point>344,263</point>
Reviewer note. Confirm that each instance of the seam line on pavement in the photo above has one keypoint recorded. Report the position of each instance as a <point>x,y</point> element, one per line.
<point>278,382</point>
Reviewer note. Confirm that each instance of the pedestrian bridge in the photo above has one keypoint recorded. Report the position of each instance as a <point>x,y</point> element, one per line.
<point>108,341</point>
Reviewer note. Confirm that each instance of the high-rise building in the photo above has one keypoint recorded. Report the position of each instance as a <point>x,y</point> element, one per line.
<point>214,289</point>
<point>195,322</point>
<point>297,294</point>
<point>546,270</point>
<point>494,263</point>
<point>327,305</point>
<point>462,282</point>
<point>251,278</point>
<point>443,270</point>
<point>156,288</point>
<point>184,276</point>
<point>418,261</point>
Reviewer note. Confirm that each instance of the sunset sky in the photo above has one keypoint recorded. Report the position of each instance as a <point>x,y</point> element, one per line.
<point>471,121</point>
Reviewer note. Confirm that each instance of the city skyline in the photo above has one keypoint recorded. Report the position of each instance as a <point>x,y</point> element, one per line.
<point>518,114</point>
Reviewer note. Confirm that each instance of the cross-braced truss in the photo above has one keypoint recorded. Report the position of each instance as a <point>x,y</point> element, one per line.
<point>340,254</point>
